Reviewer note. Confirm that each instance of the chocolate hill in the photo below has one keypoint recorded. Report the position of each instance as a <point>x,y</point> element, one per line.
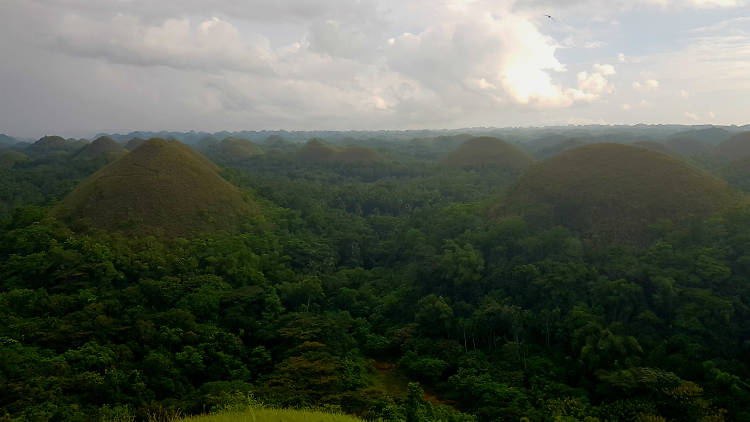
<point>233,149</point>
<point>613,192</point>
<point>317,151</point>
<point>488,151</point>
<point>102,148</point>
<point>160,187</point>
<point>54,145</point>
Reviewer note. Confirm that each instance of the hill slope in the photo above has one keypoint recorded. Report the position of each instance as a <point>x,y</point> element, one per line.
<point>735,148</point>
<point>488,151</point>
<point>162,186</point>
<point>612,192</point>
<point>737,173</point>
<point>653,146</point>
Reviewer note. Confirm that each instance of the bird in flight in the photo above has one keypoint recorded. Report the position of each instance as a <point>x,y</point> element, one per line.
<point>551,18</point>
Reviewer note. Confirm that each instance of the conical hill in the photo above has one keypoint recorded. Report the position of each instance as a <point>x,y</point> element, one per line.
<point>160,187</point>
<point>488,151</point>
<point>613,192</point>
<point>102,148</point>
<point>317,151</point>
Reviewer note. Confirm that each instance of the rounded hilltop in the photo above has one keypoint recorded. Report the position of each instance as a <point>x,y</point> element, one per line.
<point>613,192</point>
<point>233,149</point>
<point>102,148</point>
<point>317,151</point>
<point>488,151</point>
<point>160,187</point>
<point>735,148</point>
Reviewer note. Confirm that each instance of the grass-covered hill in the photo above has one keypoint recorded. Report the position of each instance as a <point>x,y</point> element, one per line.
<point>613,192</point>
<point>233,149</point>
<point>51,145</point>
<point>488,151</point>
<point>317,151</point>
<point>134,143</point>
<point>102,148</point>
<point>735,148</point>
<point>162,186</point>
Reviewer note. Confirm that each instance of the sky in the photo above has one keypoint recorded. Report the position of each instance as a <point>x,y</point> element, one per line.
<point>81,67</point>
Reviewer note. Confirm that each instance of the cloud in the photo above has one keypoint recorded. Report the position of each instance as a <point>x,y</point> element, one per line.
<point>212,44</point>
<point>222,64</point>
<point>594,44</point>
<point>646,85</point>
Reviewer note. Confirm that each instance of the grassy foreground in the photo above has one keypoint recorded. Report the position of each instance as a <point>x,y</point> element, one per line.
<point>272,415</point>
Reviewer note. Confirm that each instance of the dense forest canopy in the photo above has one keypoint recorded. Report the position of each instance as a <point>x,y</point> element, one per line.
<point>387,288</point>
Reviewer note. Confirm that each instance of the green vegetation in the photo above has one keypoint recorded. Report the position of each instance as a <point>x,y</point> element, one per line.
<point>380,290</point>
<point>488,151</point>
<point>612,192</point>
<point>162,186</point>
<point>272,415</point>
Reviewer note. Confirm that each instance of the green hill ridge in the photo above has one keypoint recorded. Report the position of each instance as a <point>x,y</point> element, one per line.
<point>613,192</point>
<point>488,151</point>
<point>160,187</point>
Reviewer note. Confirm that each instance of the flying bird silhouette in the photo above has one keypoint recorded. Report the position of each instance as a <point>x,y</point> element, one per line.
<point>551,18</point>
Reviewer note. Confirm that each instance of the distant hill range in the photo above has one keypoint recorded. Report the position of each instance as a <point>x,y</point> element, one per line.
<point>598,133</point>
